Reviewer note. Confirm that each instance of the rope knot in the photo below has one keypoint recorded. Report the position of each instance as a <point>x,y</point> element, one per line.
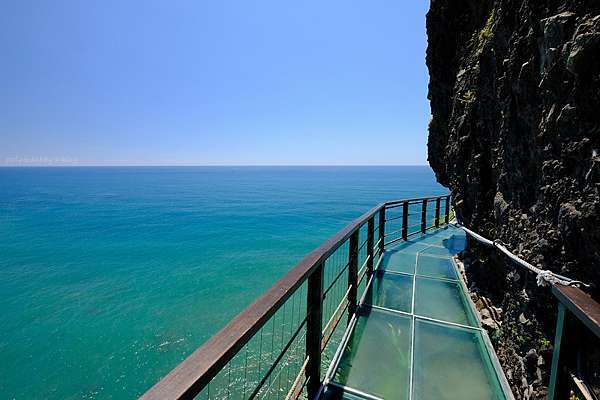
<point>545,278</point>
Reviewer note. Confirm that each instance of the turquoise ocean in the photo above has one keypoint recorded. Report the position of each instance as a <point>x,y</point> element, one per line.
<point>110,276</point>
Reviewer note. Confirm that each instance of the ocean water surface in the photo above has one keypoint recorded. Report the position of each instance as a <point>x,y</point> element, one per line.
<point>110,276</point>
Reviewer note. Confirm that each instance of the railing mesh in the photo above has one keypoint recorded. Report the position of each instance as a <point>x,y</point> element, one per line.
<point>267,366</point>
<point>395,218</point>
<point>272,364</point>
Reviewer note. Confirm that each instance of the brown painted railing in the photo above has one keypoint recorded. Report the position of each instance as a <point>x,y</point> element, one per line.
<point>575,370</point>
<point>279,344</point>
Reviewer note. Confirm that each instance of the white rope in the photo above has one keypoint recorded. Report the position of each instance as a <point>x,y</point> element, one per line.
<point>543,277</point>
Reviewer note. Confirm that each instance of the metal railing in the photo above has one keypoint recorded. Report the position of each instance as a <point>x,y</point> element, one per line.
<point>575,370</point>
<point>410,217</point>
<point>280,345</point>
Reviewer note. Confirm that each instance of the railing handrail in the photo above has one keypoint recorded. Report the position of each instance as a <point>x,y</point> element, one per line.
<point>415,200</point>
<point>586,309</point>
<point>188,378</point>
<point>573,305</point>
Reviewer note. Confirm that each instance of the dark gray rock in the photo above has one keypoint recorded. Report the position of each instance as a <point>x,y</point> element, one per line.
<point>515,134</point>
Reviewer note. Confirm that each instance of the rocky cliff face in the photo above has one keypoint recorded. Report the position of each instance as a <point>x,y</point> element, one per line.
<point>515,133</point>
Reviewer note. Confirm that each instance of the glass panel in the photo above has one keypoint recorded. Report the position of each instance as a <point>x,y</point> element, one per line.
<point>377,357</point>
<point>430,238</point>
<point>456,242</point>
<point>392,291</point>
<point>444,231</point>
<point>452,241</point>
<point>335,393</point>
<point>436,267</point>
<point>452,363</point>
<point>442,300</point>
<point>457,231</point>
<point>399,262</point>
<point>441,251</point>
<point>412,246</point>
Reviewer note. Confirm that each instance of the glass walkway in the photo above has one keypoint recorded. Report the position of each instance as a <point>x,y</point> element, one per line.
<point>416,335</point>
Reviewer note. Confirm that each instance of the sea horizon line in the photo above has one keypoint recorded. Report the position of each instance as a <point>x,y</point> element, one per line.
<point>206,165</point>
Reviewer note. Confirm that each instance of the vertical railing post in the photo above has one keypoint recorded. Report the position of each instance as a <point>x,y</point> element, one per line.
<point>314,312</point>
<point>448,209</point>
<point>352,273</point>
<point>555,370</point>
<point>381,229</point>
<point>424,216</point>
<point>437,211</point>
<point>370,244</point>
<point>405,220</point>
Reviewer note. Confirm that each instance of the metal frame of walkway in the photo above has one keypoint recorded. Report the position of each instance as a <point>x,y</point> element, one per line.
<point>426,266</point>
<point>298,338</point>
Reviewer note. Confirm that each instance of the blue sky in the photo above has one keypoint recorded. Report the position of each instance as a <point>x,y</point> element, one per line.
<point>213,82</point>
